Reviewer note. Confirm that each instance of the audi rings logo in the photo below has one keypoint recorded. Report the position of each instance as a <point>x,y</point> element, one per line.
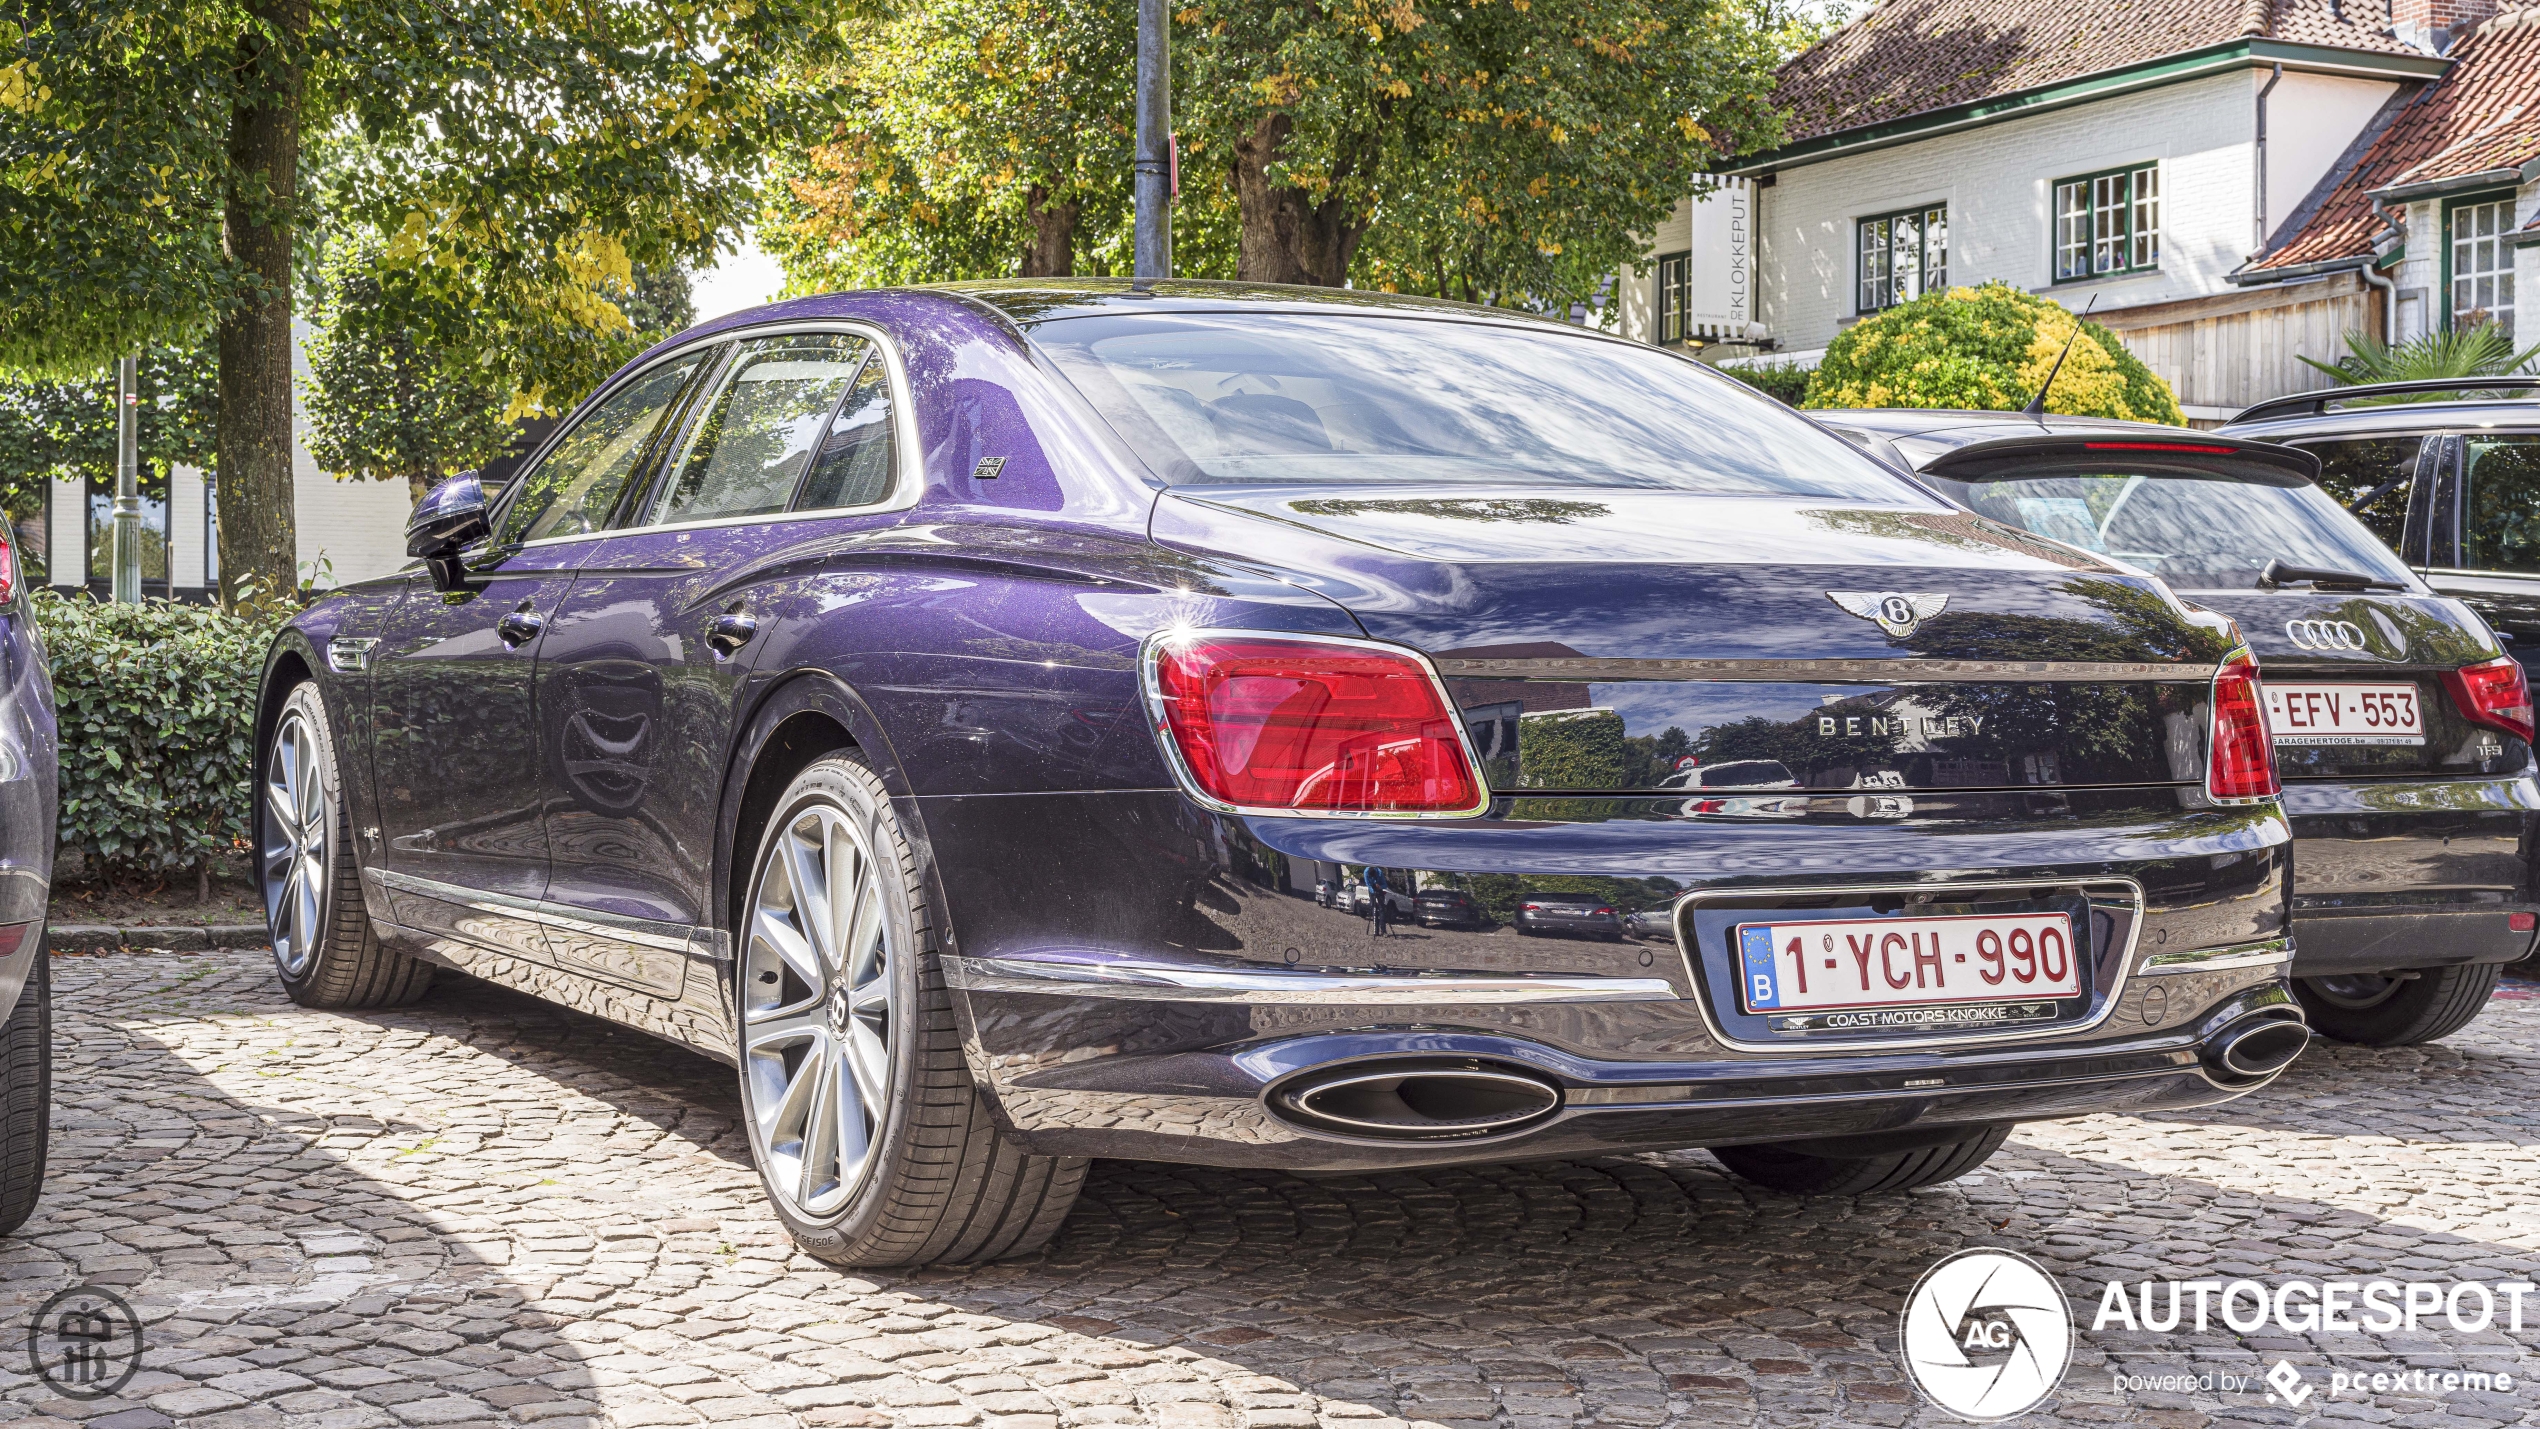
<point>2327,635</point>
<point>1986,1334</point>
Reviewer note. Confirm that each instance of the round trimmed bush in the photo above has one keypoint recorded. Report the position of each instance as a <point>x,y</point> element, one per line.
<point>1987,348</point>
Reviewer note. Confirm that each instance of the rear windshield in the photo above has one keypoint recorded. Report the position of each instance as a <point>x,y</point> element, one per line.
<point>1256,398</point>
<point>2213,528</point>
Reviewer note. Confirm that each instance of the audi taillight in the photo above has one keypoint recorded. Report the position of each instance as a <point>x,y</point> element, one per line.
<point>2493,694</point>
<point>2240,759</point>
<point>1310,725</point>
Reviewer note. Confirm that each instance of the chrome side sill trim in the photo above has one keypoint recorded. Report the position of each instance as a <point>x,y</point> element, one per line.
<point>639,932</point>
<point>2231,955</point>
<point>1884,671</point>
<point>1137,981</point>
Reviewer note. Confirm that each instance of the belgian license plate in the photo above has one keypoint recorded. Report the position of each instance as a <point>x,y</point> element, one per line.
<point>2313,715</point>
<point>1970,969</point>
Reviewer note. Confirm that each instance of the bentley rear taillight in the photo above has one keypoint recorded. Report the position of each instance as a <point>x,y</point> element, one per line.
<point>1288,724</point>
<point>2494,694</point>
<point>2240,759</point>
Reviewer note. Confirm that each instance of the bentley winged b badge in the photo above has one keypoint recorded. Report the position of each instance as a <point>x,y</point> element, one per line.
<point>1896,612</point>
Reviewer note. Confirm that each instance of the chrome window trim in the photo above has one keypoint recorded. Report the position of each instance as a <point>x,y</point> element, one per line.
<point>911,482</point>
<point>1796,672</point>
<point>1189,784</point>
<point>640,932</point>
<point>1136,980</point>
<point>1855,1046</point>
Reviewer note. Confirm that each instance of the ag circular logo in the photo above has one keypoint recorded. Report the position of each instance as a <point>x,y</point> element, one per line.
<point>85,1343</point>
<point>1986,1334</point>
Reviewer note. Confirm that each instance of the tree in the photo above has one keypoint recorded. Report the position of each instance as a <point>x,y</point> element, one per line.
<point>519,161</point>
<point>1491,150</point>
<point>1988,348</point>
<point>978,138</point>
<point>385,403</point>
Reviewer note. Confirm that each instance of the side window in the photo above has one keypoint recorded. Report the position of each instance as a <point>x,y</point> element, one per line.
<point>572,492</point>
<point>859,459</point>
<point>746,451</point>
<point>2500,506</point>
<point>2372,477</point>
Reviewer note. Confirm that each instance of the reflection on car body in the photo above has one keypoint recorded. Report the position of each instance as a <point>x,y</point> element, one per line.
<point>993,701</point>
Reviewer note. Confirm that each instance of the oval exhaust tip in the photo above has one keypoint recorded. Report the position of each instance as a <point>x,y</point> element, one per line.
<point>1420,1101</point>
<point>2264,1049</point>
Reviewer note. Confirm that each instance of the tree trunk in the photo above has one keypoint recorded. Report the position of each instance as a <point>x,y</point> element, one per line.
<point>258,537</point>
<point>1051,250</point>
<point>1284,235</point>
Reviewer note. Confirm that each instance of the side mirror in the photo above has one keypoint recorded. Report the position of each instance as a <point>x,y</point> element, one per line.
<point>449,519</point>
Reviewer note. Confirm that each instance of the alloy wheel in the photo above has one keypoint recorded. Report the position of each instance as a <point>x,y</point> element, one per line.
<point>816,1019</point>
<point>299,823</point>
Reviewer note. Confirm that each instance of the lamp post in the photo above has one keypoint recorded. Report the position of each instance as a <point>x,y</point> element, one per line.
<point>1151,187</point>
<point>127,551</point>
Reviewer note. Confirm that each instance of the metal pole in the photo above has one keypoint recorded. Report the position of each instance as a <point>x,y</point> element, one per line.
<point>1151,187</point>
<point>127,568</point>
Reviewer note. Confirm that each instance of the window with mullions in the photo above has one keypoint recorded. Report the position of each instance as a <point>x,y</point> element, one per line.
<point>2108,223</point>
<point>2482,264</point>
<point>1675,296</point>
<point>1903,256</point>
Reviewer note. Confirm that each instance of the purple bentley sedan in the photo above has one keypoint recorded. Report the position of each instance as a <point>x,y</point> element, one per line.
<point>956,708</point>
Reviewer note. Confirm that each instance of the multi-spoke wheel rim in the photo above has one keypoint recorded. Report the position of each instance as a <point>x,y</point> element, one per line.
<point>2356,991</point>
<point>816,1009</point>
<point>298,827</point>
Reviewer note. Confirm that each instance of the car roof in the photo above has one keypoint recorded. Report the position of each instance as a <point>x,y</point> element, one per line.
<point>1033,300</point>
<point>2394,419</point>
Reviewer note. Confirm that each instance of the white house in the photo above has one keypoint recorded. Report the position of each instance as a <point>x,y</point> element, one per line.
<point>2161,160</point>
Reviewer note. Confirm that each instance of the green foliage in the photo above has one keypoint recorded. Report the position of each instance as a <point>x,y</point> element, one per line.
<point>1572,749</point>
<point>382,406</point>
<point>1786,382</point>
<point>1987,348</point>
<point>54,429</point>
<point>157,704</point>
<point>518,163</point>
<point>2478,350</point>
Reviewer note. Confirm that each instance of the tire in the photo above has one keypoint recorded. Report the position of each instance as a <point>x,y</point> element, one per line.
<point>26,1092</point>
<point>1803,1173</point>
<point>324,946</point>
<point>2378,1010</point>
<point>860,992</point>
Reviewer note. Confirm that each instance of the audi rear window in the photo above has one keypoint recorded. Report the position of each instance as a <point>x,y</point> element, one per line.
<point>1316,399</point>
<point>2212,524</point>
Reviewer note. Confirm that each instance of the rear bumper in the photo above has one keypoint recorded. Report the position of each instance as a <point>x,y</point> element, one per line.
<point>1142,996</point>
<point>2412,873</point>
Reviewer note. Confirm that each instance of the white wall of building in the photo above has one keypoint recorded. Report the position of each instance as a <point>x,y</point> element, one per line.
<point>1998,181</point>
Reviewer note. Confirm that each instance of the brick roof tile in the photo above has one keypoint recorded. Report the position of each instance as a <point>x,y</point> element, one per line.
<point>2483,115</point>
<point>1906,57</point>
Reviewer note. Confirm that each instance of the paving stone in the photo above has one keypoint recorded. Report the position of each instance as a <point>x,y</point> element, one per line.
<point>485,1210</point>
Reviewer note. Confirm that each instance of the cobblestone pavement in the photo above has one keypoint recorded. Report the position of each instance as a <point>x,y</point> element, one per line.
<point>484,1210</point>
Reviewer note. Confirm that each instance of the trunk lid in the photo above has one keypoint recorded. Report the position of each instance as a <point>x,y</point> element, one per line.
<point>1632,640</point>
<point>2324,653</point>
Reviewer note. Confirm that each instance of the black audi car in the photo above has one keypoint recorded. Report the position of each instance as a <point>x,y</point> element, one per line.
<point>944,704</point>
<point>2402,729</point>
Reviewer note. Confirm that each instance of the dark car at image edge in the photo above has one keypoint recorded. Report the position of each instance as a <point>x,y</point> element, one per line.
<point>2402,729</point>
<point>28,804</point>
<point>944,704</point>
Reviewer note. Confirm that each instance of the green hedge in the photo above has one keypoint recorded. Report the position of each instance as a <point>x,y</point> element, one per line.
<point>1987,348</point>
<point>158,711</point>
<point>1787,381</point>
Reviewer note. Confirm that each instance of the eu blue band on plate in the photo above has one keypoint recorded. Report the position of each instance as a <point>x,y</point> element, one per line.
<point>1755,947</point>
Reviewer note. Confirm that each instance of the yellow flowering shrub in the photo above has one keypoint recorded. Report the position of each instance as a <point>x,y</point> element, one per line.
<point>1987,348</point>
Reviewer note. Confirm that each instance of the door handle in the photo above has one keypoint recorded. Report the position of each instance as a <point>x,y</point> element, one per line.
<point>521,626</point>
<point>730,631</point>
